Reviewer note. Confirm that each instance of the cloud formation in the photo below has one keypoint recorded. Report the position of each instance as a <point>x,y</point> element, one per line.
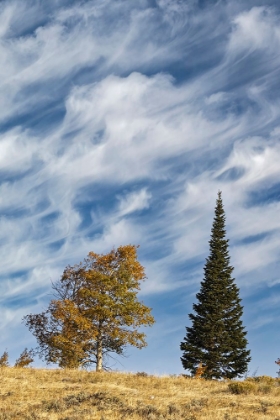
<point>119,123</point>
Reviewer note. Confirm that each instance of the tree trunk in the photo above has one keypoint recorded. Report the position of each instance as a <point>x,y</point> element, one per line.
<point>99,361</point>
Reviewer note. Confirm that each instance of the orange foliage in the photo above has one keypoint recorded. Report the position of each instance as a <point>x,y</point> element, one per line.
<point>96,310</point>
<point>25,359</point>
<point>199,371</point>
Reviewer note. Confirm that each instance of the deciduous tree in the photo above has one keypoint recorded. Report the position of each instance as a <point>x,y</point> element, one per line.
<point>217,340</point>
<point>4,359</point>
<point>25,359</point>
<point>95,311</point>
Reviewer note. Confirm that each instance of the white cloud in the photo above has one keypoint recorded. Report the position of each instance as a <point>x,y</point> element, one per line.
<point>131,141</point>
<point>120,232</point>
<point>142,120</point>
<point>132,202</point>
<point>257,28</point>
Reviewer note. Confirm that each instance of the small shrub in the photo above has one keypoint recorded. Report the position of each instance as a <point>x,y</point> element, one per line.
<point>265,388</point>
<point>245,387</point>
<point>261,379</point>
<point>4,359</point>
<point>143,374</point>
<point>55,405</point>
<point>31,416</point>
<point>147,410</point>
<point>265,384</point>
<point>25,359</point>
<point>263,408</point>
<point>73,417</point>
<point>72,400</point>
<point>173,409</point>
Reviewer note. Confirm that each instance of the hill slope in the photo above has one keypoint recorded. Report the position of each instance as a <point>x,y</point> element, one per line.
<point>33,394</point>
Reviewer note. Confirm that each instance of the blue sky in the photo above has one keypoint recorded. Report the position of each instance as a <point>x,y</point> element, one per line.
<point>119,123</point>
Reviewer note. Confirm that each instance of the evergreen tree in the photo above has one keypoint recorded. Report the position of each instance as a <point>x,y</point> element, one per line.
<point>217,340</point>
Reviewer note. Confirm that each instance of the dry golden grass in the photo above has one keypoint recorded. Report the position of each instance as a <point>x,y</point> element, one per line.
<point>31,394</point>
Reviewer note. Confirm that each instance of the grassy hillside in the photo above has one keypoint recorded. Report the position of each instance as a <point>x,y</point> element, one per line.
<point>31,394</point>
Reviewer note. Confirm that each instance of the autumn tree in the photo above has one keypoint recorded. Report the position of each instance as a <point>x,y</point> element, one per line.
<point>25,359</point>
<point>216,341</point>
<point>95,311</point>
<point>4,359</point>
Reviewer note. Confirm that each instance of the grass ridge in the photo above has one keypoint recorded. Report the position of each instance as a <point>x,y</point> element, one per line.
<point>55,394</point>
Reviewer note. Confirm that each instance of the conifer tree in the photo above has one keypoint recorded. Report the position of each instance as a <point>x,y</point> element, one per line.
<point>217,339</point>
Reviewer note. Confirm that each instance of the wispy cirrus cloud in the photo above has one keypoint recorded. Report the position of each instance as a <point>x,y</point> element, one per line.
<point>119,123</point>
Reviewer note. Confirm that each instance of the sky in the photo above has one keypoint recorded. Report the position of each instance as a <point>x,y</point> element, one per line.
<point>120,121</point>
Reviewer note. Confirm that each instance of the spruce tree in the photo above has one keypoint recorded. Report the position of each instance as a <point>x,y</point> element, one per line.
<point>217,339</point>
